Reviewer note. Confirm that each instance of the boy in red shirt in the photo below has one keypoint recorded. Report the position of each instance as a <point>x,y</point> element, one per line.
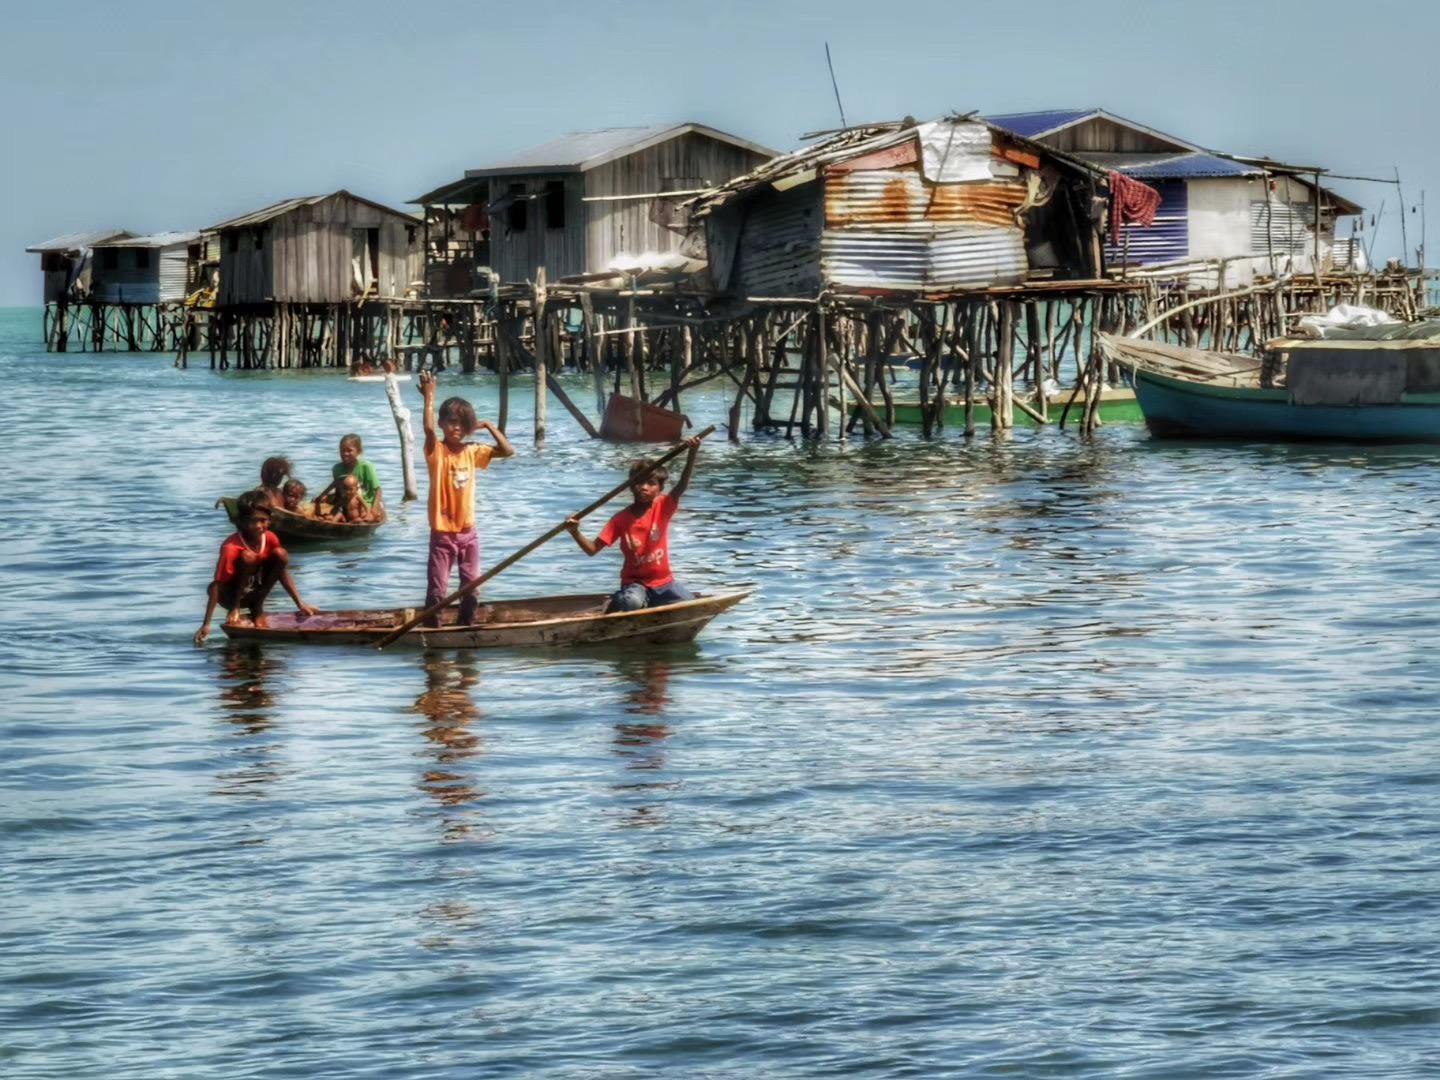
<point>643,532</point>
<point>251,561</point>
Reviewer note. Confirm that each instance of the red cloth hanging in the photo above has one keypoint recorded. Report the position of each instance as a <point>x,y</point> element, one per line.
<point>1131,201</point>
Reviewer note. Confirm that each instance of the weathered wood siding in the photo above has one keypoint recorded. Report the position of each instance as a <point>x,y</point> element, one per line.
<point>516,253</point>
<point>1102,136</point>
<point>305,256</point>
<point>625,227</point>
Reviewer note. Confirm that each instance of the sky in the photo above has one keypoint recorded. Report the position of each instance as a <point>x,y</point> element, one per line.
<point>154,116</point>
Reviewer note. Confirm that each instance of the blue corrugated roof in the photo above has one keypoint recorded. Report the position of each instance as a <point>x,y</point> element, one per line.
<point>1030,124</point>
<point>1170,166</point>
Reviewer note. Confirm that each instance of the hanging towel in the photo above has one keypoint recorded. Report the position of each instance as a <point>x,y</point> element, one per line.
<point>1130,200</point>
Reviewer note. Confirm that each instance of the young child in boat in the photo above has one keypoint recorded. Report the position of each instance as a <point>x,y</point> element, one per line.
<point>273,472</point>
<point>251,561</point>
<point>352,464</point>
<point>642,530</point>
<point>454,465</point>
<point>349,504</point>
<point>294,496</point>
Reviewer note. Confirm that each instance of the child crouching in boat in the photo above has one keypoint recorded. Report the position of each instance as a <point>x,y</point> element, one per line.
<point>643,531</point>
<point>251,561</point>
<point>352,464</point>
<point>350,504</point>
<point>273,471</point>
<point>294,495</point>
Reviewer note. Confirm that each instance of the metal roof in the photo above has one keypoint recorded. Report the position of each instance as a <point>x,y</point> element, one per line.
<point>1031,124</point>
<point>1169,166</point>
<point>1036,125</point>
<point>581,151</point>
<point>460,192</point>
<point>275,210</point>
<point>801,165</point>
<point>154,240</point>
<point>78,241</point>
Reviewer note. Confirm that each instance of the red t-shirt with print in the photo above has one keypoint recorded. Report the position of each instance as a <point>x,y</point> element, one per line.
<point>644,539</point>
<point>232,548</point>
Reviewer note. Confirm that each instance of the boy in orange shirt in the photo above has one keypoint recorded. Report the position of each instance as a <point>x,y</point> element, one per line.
<point>453,465</point>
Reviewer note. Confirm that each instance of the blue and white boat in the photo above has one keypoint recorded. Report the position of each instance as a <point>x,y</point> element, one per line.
<point>1371,385</point>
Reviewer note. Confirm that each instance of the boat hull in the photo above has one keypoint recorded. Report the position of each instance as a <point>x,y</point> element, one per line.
<point>504,624</point>
<point>1117,406</point>
<point>622,422</point>
<point>1180,408</point>
<point>294,528</point>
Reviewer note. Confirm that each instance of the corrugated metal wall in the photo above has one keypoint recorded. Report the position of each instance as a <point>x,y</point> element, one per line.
<point>1281,227</point>
<point>174,271</point>
<point>1167,240</point>
<point>626,227</point>
<point>891,229</point>
<point>777,252</point>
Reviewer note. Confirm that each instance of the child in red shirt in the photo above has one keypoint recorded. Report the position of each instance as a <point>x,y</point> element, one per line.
<point>643,532</point>
<point>251,561</point>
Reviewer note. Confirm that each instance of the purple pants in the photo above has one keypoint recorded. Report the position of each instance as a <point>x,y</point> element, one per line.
<point>462,548</point>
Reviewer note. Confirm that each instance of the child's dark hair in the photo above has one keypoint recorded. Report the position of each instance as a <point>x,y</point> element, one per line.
<point>251,501</point>
<point>293,488</point>
<point>457,408</point>
<point>645,467</point>
<point>274,470</point>
<point>352,440</point>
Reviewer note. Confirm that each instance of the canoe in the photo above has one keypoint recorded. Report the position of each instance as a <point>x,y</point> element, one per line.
<point>545,620</point>
<point>1354,390</point>
<point>654,424</point>
<point>1117,405</point>
<point>294,528</point>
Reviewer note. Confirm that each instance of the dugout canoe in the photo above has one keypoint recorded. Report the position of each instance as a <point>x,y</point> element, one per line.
<point>502,624</point>
<point>1117,405</point>
<point>293,528</point>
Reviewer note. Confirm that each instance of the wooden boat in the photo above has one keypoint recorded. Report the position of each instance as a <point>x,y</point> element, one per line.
<point>622,423</point>
<point>545,620</point>
<point>293,528</point>
<point>1117,405</point>
<point>1357,389</point>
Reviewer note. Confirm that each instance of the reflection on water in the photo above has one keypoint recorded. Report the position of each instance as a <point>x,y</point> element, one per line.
<point>247,683</point>
<point>640,742</point>
<point>450,719</point>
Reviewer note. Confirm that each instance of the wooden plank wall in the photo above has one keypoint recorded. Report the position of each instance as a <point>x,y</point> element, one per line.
<point>305,255</point>
<point>515,255</point>
<point>625,228</point>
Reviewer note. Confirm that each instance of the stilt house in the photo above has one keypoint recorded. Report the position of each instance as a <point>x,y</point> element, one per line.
<point>66,263</point>
<point>151,269</point>
<point>588,202</point>
<point>1261,216</point>
<point>320,249</point>
<point>909,208</point>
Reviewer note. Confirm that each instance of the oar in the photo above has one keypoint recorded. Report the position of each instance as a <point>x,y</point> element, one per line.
<point>510,560</point>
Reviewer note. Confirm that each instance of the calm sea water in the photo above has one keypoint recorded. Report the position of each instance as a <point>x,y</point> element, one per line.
<point>1038,756</point>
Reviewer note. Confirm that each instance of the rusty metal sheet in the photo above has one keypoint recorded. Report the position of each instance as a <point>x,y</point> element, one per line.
<point>899,196</point>
<point>924,257</point>
<point>905,153</point>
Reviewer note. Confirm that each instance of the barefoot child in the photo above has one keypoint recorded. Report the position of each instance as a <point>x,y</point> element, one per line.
<point>348,502</point>
<point>642,530</point>
<point>251,561</point>
<point>273,471</point>
<point>352,464</point>
<point>453,465</point>
<point>294,494</point>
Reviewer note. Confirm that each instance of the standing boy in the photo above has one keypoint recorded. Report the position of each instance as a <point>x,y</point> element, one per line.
<point>251,561</point>
<point>453,465</point>
<point>643,532</point>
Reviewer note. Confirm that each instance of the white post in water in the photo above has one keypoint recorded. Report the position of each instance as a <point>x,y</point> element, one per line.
<point>407,437</point>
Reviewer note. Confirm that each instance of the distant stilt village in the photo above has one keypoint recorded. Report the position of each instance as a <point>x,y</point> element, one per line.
<point>985,252</point>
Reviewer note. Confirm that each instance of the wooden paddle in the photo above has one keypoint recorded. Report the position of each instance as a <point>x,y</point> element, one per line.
<point>512,559</point>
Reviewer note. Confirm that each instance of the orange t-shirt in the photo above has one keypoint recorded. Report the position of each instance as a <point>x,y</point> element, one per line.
<point>452,484</point>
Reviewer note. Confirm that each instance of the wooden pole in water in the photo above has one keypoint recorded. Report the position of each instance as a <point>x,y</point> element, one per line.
<point>542,348</point>
<point>407,436</point>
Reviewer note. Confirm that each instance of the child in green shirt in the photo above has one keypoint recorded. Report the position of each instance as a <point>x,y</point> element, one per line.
<point>352,464</point>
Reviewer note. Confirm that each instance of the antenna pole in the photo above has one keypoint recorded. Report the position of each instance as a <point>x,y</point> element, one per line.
<point>831,65</point>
